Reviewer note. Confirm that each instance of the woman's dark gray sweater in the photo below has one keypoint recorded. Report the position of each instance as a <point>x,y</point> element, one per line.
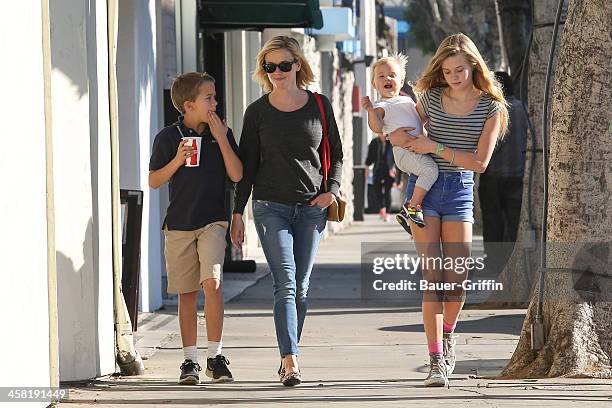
<point>280,153</point>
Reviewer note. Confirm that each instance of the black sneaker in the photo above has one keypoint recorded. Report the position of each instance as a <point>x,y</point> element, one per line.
<point>189,373</point>
<point>402,219</point>
<point>415,214</point>
<point>216,368</point>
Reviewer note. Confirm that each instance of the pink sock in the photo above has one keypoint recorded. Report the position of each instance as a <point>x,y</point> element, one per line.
<point>435,348</point>
<point>448,328</point>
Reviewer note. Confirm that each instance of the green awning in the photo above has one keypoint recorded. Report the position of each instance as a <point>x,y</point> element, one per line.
<point>259,14</point>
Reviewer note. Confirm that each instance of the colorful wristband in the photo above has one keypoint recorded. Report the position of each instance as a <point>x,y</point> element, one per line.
<point>439,149</point>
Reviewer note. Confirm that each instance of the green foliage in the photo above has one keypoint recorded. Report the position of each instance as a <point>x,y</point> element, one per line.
<point>419,31</point>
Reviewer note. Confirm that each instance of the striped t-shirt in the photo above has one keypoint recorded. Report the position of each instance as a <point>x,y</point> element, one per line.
<point>455,131</point>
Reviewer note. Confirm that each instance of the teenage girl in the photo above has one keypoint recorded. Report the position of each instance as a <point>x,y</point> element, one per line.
<point>464,113</point>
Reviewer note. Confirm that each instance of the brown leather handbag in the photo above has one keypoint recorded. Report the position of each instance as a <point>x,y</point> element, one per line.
<point>335,212</point>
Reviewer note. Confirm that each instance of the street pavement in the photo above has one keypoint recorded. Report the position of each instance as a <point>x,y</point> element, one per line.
<point>354,352</point>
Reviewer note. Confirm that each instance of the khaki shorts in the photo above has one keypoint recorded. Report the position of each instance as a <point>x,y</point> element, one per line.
<point>194,256</point>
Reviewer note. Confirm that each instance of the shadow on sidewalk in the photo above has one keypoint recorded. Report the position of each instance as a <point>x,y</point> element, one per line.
<point>503,324</point>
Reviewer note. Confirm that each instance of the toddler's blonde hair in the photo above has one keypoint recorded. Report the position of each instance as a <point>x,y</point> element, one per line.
<point>400,59</point>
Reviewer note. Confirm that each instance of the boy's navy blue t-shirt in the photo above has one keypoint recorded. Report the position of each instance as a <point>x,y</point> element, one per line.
<point>197,194</point>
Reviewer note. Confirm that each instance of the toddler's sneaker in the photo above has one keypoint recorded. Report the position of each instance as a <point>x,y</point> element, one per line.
<point>415,214</point>
<point>402,219</point>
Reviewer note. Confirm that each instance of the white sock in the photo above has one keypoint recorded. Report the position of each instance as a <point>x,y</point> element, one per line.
<point>214,348</point>
<point>191,353</point>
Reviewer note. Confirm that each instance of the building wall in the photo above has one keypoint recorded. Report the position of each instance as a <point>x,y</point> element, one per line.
<point>150,123</point>
<point>168,42</point>
<point>168,70</point>
<point>363,75</point>
<point>81,186</point>
<point>23,253</point>
<point>342,82</point>
<point>80,175</point>
<point>139,121</point>
<point>97,46</point>
<point>241,49</point>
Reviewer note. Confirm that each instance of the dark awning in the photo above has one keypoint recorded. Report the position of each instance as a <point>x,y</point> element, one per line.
<point>259,14</point>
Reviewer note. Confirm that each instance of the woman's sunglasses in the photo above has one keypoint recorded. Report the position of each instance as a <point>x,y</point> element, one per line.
<point>284,66</point>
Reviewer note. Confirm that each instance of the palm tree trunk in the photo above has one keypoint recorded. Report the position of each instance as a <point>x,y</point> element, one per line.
<point>474,18</point>
<point>515,16</point>
<point>519,274</point>
<point>578,290</point>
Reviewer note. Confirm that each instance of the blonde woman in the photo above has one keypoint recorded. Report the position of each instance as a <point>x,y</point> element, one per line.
<point>464,113</point>
<point>279,146</point>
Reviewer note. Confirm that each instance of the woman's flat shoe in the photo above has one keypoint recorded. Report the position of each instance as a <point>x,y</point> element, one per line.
<point>291,379</point>
<point>281,372</point>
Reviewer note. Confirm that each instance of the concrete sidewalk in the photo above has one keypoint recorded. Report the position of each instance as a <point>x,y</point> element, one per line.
<point>353,353</point>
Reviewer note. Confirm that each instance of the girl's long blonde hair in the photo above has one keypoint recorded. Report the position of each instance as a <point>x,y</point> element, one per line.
<point>303,77</point>
<point>483,78</point>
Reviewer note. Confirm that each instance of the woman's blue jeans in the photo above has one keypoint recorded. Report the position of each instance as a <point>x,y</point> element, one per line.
<point>290,236</point>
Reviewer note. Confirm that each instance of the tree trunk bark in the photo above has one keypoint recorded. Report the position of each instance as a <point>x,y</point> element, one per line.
<point>515,16</point>
<point>519,274</point>
<point>578,295</point>
<point>437,34</point>
<point>474,18</point>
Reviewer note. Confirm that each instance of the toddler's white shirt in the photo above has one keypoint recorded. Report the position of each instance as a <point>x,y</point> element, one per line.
<point>400,111</point>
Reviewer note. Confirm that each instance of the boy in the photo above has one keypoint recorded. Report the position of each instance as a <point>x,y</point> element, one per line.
<point>196,219</point>
<point>393,111</point>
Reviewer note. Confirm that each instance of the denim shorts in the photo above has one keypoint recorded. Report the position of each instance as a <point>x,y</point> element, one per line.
<point>451,198</point>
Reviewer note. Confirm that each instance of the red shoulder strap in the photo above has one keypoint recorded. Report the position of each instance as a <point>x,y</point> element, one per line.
<point>325,150</point>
